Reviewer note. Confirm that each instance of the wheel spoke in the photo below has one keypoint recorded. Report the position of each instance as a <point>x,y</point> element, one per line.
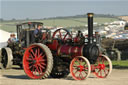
<point>29,59</point>
<point>75,64</point>
<point>107,69</point>
<point>76,71</point>
<point>38,52</point>
<point>105,72</point>
<point>107,66</point>
<point>85,72</point>
<point>65,36</point>
<point>74,67</point>
<point>85,68</point>
<point>41,66</point>
<point>37,69</point>
<point>33,69</point>
<point>97,67</point>
<point>78,61</point>
<point>32,52</point>
<point>40,70</point>
<point>31,56</point>
<point>30,66</point>
<point>43,63</point>
<point>103,60</point>
<point>85,64</point>
<point>30,62</point>
<point>36,55</point>
<point>100,72</point>
<point>80,75</point>
<point>40,56</point>
<point>60,34</point>
<point>42,60</point>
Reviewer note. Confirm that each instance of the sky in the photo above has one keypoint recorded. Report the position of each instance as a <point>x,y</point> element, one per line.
<point>36,9</point>
<point>63,0</point>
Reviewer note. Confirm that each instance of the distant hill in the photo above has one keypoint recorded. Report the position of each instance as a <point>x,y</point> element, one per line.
<point>83,16</point>
<point>67,21</point>
<point>65,17</point>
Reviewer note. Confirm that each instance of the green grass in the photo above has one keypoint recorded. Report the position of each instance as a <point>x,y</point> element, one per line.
<point>120,64</point>
<point>68,22</point>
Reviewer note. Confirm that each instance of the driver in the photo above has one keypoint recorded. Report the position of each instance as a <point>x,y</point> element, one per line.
<point>37,32</point>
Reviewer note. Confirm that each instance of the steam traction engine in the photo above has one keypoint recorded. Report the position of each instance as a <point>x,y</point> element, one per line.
<point>61,54</point>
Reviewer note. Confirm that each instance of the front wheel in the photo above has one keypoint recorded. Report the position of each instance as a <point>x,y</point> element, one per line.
<point>37,61</point>
<point>103,67</point>
<point>80,68</point>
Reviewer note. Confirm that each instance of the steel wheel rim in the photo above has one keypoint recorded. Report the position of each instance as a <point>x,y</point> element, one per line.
<point>35,62</point>
<point>103,67</point>
<point>79,71</point>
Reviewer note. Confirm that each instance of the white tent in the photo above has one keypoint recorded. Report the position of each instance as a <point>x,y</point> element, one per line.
<point>3,38</point>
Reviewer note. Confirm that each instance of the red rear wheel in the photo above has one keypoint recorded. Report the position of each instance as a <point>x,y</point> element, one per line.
<point>80,68</point>
<point>103,66</point>
<point>37,61</point>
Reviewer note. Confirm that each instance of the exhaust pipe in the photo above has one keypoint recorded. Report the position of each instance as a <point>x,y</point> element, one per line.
<point>90,28</point>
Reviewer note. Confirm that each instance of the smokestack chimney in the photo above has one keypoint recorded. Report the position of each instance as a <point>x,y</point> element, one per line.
<point>90,28</point>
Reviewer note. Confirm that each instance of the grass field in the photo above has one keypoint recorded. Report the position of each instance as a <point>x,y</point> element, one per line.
<point>120,64</point>
<point>68,22</point>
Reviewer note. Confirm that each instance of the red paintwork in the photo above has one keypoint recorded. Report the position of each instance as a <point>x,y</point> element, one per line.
<point>44,35</point>
<point>54,45</point>
<point>70,50</point>
<point>76,39</point>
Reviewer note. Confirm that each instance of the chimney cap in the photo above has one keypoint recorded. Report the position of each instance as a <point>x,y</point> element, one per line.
<point>90,14</point>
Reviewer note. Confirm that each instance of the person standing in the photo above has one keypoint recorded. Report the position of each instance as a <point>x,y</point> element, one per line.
<point>10,39</point>
<point>37,32</point>
<point>98,38</point>
<point>14,38</point>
